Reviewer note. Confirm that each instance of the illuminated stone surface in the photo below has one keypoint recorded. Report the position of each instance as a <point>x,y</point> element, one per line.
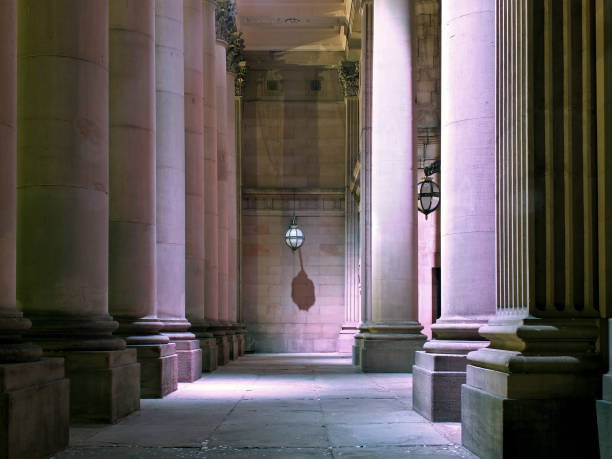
<point>291,405</point>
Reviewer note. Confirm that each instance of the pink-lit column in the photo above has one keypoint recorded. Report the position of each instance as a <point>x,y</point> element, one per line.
<point>211,218</point>
<point>365,174</point>
<point>349,78</point>
<point>193,33</point>
<point>467,207</point>
<point>170,166</point>
<point>232,214</point>
<point>132,228</point>
<point>389,341</point>
<point>25,380</point>
<point>63,188</point>
<point>223,329</point>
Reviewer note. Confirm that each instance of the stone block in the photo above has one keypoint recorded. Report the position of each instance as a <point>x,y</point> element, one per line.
<point>389,355</point>
<point>209,354</point>
<point>232,341</point>
<point>499,427</point>
<point>223,350</point>
<point>34,409</point>
<point>346,339</point>
<point>604,426</point>
<point>242,343</point>
<point>436,393</point>
<point>189,357</point>
<point>104,385</point>
<point>159,369</point>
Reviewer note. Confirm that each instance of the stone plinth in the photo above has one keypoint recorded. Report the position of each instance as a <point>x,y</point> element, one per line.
<point>604,406</point>
<point>223,347</point>
<point>210,352</point>
<point>104,385</point>
<point>604,426</point>
<point>189,360</point>
<point>159,370</point>
<point>495,426</point>
<point>346,339</point>
<point>436,382</point>
<point>34,408</point>
<point>389,348</point>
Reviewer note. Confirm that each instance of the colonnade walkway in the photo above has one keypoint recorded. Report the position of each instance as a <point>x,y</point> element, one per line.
<point>276,406</point>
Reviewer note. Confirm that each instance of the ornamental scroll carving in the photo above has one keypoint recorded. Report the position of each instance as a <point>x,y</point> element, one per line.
<point>348,73</point>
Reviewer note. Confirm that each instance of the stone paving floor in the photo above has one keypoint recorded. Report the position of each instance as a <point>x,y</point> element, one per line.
<point>276,406</point>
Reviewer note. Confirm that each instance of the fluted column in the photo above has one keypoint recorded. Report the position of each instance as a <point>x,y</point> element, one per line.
<point>388,342</point>
<point>63,186</point>
<point>541,370</point>
<point>45,384</point>
<point>348,73</point>
<point>467,209</point>
<point>170,217</point>
<point>365,173</point>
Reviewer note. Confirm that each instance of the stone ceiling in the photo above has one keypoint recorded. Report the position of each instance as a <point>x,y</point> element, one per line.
<point>297,25</point>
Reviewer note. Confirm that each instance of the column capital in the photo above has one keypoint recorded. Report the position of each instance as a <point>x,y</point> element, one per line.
<point>348,74</point>
<point>241,71</point>
<point>225,19</point>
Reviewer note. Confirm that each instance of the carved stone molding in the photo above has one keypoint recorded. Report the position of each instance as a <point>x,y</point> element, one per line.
<point>286,201</point>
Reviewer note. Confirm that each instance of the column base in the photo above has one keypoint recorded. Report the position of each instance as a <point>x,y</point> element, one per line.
<point>189,360</point>
<point>210,353</point>
<point>232,338</point>
<point>604,426</point>
<point>389,353</point>
<point>158,369</point>
<point>104,385</point>
<point>499,426</point>
<point>241,343</point>
<point>346,338</point>
<point>355,350</point>
<point>223,349</point>
<point>34,408</point>
<point>436,385</point>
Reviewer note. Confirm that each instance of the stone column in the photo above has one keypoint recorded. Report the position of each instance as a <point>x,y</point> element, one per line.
<point>603,46</point>
<point>241,76</point>
<point>44,383</point>
<point>194,27</point>
<point>232,218</point>
<point>170,213</point>
<point>348,73</point>
<point>63,186</point>
<point>132,229</point>
<point>389,340</point>
<point>604,406</point>
<point>533,389</point>
<point>467,209</point>
<point>211,218</point>
<point>365,180</point>
<point>220,326</point>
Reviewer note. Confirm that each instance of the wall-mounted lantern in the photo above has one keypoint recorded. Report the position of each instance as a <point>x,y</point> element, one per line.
<point>294,236</point>
<point>428,191</point>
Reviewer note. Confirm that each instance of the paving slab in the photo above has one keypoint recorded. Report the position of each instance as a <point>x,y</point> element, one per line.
<point>276,406</point>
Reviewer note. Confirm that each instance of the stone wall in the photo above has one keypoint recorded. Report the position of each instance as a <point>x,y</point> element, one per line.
<point>293,159</point>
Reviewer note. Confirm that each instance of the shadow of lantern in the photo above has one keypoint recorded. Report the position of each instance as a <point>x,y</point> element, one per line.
<point>302,288</point>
